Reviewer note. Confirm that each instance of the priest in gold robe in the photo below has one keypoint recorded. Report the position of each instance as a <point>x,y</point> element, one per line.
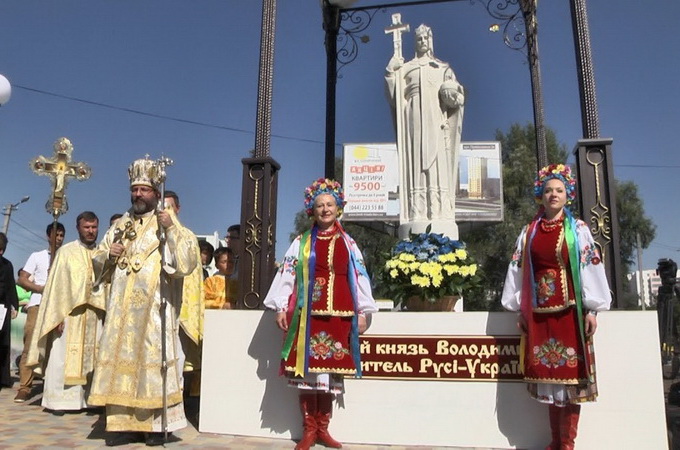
<point>64,344</point>
<point>192,312</point>
<point>128,375</point>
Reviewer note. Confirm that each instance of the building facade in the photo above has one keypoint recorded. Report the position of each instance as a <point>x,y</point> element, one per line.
<point>649,290</point>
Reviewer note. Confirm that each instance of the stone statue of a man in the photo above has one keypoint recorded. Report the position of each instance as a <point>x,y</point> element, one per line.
<point>427,104</point>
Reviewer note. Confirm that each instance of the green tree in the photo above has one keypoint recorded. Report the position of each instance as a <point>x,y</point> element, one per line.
<point>632,221</point>
<point>301,223</point>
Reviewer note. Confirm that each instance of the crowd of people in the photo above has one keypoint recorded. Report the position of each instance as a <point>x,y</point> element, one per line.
<point>118,324</point>
<point>98,314</point>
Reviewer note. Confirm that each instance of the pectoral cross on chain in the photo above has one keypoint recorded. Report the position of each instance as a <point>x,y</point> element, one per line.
<point>60,169</point>
<point>396,29</point>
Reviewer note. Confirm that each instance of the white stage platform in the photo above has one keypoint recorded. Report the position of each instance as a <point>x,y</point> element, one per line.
<point>242,393</point>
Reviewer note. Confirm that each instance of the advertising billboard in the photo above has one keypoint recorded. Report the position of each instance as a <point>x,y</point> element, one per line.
<point>371,182</point>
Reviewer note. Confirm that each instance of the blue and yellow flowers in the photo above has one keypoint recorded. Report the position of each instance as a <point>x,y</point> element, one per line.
<point>429,265</point>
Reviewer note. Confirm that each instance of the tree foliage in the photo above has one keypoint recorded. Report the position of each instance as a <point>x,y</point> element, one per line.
<point>632,221</point>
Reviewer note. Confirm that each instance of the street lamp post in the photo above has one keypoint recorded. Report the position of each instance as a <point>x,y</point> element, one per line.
<point>7,212</point>
<point>528,8</point>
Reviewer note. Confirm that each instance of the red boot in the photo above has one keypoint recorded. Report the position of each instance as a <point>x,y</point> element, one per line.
<point>308,406</point>
<point>555,413</point>
<point>569,426</point>
<point>323,418</point>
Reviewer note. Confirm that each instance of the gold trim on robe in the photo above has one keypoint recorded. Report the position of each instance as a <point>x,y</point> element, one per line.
<point>68,293</point>
<point>128,367</point>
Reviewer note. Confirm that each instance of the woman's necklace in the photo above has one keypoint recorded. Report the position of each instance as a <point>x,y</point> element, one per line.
<point>550,225</point>
<point>328,232</point>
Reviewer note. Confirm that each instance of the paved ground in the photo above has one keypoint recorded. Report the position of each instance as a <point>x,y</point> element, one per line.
<point>29,425</point>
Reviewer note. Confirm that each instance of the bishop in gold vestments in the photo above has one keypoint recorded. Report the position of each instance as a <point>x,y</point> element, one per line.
<point>127,377</point>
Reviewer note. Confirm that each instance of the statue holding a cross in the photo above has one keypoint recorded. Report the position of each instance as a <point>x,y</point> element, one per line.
<point>427,103</point>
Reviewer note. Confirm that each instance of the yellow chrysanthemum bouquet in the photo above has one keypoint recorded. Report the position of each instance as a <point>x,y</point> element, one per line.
<point>430,266</point>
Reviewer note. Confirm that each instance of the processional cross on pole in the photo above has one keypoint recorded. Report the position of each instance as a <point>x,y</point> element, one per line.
<point>60,168</point>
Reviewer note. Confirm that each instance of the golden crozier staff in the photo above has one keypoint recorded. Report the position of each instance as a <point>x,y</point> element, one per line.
<point>161,164</point>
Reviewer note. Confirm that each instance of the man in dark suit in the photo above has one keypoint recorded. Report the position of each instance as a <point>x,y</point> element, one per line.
<point>10,303</point>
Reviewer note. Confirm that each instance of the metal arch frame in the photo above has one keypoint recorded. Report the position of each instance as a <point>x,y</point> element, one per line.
<point>506,11</point>
<point>332,21</point>
<point>514,14</point>
<point>351,23</point>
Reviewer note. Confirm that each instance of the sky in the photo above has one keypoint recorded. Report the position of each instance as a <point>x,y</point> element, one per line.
<point>124,78</point>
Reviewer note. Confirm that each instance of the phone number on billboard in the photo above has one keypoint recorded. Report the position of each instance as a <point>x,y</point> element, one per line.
<point>356,208</point>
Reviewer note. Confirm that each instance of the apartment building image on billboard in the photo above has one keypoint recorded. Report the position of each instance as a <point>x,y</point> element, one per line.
<point>479,194</point>
<point>477,176</point>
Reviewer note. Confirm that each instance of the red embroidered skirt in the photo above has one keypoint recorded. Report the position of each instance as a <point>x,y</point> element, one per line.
<point>329,350</point>
<point>332,306</point>
<point>554,351</point>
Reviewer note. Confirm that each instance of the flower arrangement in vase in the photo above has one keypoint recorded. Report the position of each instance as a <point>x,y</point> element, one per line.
<point>429,267</point>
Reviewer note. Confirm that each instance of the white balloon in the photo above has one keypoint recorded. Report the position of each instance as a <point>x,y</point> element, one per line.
<point>5,90</point>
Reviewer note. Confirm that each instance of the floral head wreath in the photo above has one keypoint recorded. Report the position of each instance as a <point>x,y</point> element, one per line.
<point>555,171</point>
<point>324,186</point>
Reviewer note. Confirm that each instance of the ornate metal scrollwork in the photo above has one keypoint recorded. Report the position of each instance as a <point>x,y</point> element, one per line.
<point>352,23</point>
<point>253,238</point>
<point>511,20</point>
<point>600,220</point>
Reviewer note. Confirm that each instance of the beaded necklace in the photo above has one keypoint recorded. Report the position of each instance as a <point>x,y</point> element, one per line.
<point>329,232</point>
<point>551,225</point>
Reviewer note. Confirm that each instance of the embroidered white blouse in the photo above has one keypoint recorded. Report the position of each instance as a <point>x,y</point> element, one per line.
<point>594,287</point>
<point>284,281</point>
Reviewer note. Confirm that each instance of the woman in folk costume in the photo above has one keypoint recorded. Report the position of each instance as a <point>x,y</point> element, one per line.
<point>557,281</point>
<point>322,294</point>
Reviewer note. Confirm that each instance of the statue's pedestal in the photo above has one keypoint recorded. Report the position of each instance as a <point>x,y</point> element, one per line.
<point>448,228</point>
<point>243,394</point>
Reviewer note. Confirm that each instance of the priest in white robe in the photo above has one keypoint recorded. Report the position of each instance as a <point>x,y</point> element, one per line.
<point>64,344</point>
